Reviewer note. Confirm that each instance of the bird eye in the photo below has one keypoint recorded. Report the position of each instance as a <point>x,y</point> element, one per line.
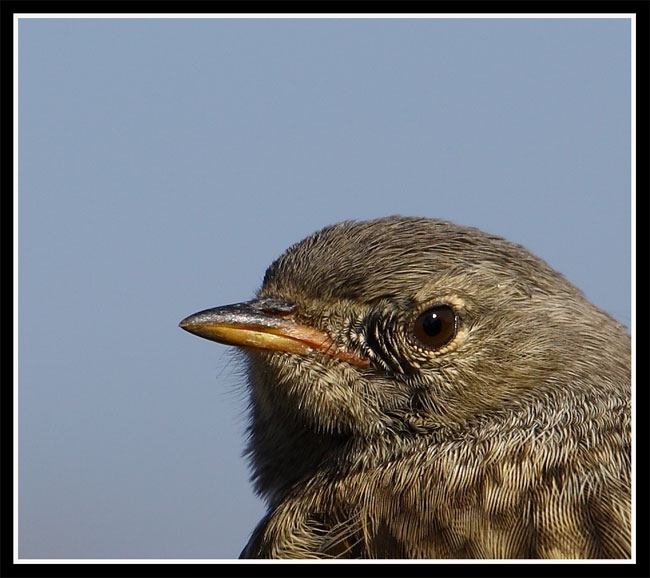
<point>436,326</point>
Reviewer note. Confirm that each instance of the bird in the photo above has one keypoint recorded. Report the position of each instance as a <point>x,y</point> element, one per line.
<point>425,390</point>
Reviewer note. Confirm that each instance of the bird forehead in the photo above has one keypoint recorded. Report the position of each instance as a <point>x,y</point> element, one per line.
<point>392,256</point>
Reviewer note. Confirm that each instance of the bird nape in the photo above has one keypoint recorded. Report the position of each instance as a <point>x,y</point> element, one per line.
<point>425,390</point>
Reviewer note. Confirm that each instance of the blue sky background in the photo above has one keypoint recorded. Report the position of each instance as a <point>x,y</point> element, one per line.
<point>165,163</point>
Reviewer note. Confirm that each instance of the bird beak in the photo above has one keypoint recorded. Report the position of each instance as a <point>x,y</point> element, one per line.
<point>265,324</point>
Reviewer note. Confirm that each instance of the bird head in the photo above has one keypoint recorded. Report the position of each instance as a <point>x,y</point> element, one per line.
<point>368,337</point>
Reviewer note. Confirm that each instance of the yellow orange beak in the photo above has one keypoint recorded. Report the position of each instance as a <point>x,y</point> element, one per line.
<point>265,324</point>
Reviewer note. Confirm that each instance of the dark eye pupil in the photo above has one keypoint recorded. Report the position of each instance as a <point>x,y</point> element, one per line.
<point>436,326</point>
<point>432,324</point>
